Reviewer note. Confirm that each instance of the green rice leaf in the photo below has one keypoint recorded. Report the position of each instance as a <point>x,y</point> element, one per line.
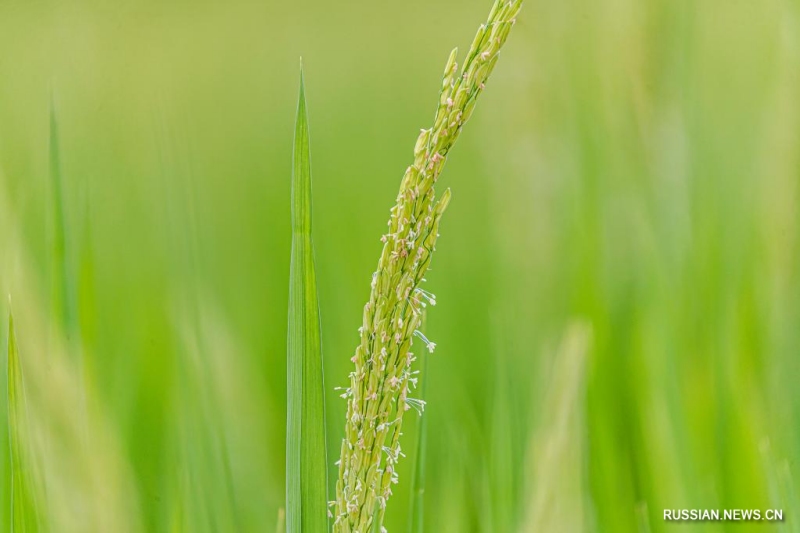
<point>306,456</point>
<point>23,510</point>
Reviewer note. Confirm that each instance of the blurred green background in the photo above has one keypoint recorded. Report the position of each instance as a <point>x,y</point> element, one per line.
<point>618,273</point>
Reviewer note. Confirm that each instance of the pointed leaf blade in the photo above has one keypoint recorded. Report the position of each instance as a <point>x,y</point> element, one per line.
<point>306,456</point>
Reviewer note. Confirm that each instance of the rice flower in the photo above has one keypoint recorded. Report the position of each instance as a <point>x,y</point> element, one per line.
<point>380,385</point>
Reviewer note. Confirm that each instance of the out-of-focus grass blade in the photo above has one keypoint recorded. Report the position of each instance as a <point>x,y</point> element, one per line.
<point>62,307</point>
<point>556,453</point>
<point>23,510</point>
<point>306,456</point>
<point>643,518</point>
<point>177,518</point>
<point>281,527</point>
<point>500,496</point>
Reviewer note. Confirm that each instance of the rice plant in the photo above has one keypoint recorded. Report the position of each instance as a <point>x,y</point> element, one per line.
<point>383,380</point>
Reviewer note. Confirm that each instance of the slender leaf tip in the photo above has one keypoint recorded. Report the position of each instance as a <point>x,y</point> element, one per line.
<point>306,454</point>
